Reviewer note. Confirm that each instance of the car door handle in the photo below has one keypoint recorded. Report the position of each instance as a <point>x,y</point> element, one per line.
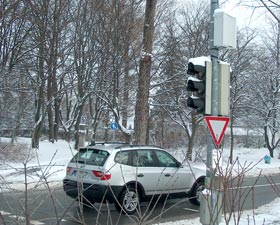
<point>140,175</point>
<point>167,175</point>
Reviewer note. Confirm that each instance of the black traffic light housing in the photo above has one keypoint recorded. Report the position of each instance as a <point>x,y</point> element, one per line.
<point>199,83</point>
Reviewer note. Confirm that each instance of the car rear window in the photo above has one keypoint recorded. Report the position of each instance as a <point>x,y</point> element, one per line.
<point>91,157</point>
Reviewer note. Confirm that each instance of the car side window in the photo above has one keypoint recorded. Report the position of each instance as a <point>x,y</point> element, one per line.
<point>122,157</point>
<point>143,158</point>
<point>166,160</point>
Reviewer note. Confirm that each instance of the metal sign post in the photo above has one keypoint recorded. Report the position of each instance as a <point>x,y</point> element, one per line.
<point>214,53</point>
<point>222,34</point>
<point>114,127</point>
<point>208,210</point>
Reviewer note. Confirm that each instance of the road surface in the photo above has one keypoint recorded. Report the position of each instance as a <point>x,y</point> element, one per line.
<point>57,208</point>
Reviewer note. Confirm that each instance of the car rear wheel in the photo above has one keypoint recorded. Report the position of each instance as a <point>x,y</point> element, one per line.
<point>196,194</point>
<point>129,201</point>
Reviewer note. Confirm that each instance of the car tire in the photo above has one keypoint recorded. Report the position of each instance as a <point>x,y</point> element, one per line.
<point>129,201</point>
<point>195,196</point>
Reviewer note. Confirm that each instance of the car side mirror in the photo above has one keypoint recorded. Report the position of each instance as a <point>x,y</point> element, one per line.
<point>179,165</point>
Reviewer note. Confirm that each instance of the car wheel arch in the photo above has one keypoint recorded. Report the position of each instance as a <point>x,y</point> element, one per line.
<point>198,180</point>
<point>196,190</point>
<point>136,185</point>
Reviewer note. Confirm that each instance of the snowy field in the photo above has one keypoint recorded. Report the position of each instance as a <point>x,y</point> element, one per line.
<point>48,165</point>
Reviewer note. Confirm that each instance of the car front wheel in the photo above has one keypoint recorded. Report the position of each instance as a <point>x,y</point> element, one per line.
<point>196,194</point>
<point>129,201</point>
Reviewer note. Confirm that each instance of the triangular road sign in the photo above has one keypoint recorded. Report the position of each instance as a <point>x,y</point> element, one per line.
<point>217,126</point>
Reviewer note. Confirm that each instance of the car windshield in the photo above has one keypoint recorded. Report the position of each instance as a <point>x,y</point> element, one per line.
<point>91,157</point>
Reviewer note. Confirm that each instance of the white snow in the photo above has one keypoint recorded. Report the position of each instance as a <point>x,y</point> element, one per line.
<point>200,60</point>
<point>51,159</point>
<point>194,79</point>
<point>47,163</point>
<point>264,215</point>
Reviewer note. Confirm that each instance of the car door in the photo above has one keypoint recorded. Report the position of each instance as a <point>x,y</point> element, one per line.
<point>148,174</point>
<point>174,177</point>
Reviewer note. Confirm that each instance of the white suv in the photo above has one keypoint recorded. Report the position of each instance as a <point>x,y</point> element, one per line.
<point>127,174</point>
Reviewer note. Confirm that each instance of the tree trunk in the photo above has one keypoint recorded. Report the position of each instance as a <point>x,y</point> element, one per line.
<point>77,128</point>
<point>162,129</point>
<point>50,110</point>
<point>231,141</point>
<point>267,143</point>
<point>56,117</point>
<point>40,105</point>
<point>126,92</point>
<point>142,100</point>
<point>106,124</point>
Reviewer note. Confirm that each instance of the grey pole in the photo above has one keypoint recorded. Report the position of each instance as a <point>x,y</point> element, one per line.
<point>210,175</point>
<point>214,53</point>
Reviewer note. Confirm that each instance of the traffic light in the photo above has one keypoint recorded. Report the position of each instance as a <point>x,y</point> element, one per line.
<point>199,83</point>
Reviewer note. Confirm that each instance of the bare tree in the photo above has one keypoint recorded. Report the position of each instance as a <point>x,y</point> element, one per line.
<point>177,48</point>
<point>105,43</point>
<point>38,16</point>
<point>266,90</point>
<point>57,23</point>
<point>15,85</point>
<point>241,62</point>
<point>270,5</point>
<point>142,99</point>
<point>49,21</point>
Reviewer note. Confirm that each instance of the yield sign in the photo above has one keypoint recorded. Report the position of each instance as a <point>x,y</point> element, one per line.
<point>217,126</point>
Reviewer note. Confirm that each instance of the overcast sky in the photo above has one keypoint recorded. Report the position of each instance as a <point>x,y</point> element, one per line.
<point>245,16</point>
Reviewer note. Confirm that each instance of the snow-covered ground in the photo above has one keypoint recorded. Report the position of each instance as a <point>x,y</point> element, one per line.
<point>264,215</point>
<point>49,164</point>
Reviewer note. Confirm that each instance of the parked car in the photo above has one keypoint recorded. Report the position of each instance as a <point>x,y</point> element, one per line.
<point>129,174</point>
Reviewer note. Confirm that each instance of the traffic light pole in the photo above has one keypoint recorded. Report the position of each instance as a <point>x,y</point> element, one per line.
<point>212,206</point>
<point>217,94</point>
<point>214,53</point>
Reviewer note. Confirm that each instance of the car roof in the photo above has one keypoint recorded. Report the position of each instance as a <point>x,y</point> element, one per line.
<point>116,146</point>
